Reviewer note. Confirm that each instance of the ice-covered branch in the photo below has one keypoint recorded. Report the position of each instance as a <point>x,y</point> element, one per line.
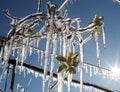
<point>31,16</point>
<point>7,13</point>
<point>118,1</point>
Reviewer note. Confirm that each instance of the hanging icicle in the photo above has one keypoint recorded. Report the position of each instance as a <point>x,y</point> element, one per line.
<point>42,55</point>
<point>69,82</point>
<point>30,51</point>
<point>24,50</point>
<point>60,82</point>
<point>47,52</point>
<point>103,34</point>
<point>97,49</point>
<point>81,66</point>
<point>8,50</point>
<point>39,54</point>
<point>61,45</point>
<point>55,44</point>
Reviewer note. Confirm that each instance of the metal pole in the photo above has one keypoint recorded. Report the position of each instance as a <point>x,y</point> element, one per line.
<point>13,78</point>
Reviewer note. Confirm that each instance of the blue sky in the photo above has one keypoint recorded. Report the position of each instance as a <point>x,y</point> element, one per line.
<point>85,10</point>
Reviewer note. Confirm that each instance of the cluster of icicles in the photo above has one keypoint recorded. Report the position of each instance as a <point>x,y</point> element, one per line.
<point>57,43</point>
<point>54,45</point>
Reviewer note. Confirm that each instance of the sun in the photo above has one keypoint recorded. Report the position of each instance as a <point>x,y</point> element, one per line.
<point>115,72</point>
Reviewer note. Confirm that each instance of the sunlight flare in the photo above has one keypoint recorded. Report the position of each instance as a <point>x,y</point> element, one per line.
<point>115,72</point>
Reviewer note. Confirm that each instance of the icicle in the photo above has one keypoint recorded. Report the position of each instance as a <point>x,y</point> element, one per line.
<point>23,55</point>
<point>61,45</point>
<point>86,67</point>
<point>60,82</point>
<point>24,50</point>
<point>81,66</point>
<point>24,73</point>
<point>88,38</point>
<point>53,57</point>
<point>95,70</point>
<point>8,50</point>
<point>38,40</point>
<point>73,48</point>
<point>97,49</point>
<point>103,34</point>
<point>1,55</point>
<point>47,52</point>
<point>30,51</point>
<point>39,54</point>
<point>90,68</point>
<point>69,82</point>
<point>3,75</point>
<point>36,74</point>
<point>42,54</point>
<point>62,6</point>
<point>13,53</point>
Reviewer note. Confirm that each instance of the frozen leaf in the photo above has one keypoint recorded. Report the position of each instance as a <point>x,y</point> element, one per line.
<point>71,70</point>
<point>61,58</point>
<point>90,22</point>
<point>61,67</point>
<point>96,31</point>
<point>75,64</point>
<point>69,55</point>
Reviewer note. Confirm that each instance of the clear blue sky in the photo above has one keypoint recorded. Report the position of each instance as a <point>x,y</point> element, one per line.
<point>85,10</point>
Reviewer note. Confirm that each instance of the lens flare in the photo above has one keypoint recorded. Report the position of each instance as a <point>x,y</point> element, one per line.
<point>115,72</point>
